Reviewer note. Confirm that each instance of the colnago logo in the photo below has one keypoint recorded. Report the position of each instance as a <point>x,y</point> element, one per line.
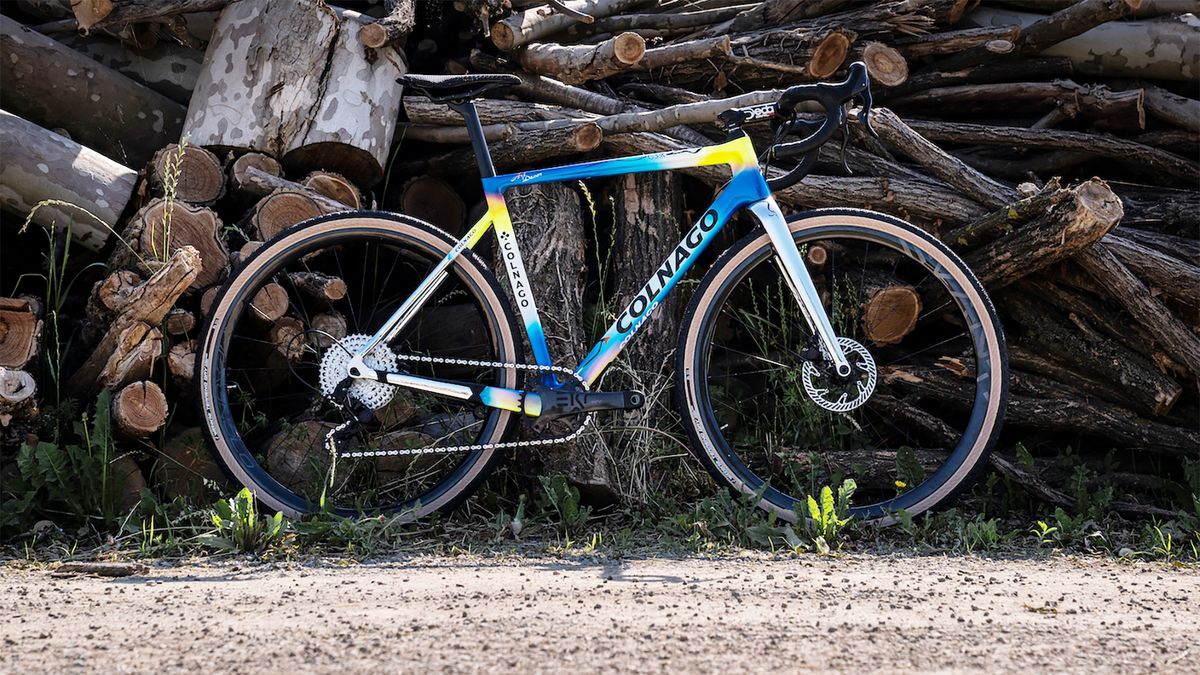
<point>647,297</point>
<point>512,261</point>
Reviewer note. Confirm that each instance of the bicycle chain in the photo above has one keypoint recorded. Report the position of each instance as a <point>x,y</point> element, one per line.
<point>503,445</point>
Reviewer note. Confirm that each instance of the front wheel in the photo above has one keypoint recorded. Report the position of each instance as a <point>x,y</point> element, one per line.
<point>749,374</point>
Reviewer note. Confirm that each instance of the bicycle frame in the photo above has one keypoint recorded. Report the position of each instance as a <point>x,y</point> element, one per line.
<point>747,189</point>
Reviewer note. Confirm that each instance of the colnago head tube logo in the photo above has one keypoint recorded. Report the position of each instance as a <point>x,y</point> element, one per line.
<point>647,297</point>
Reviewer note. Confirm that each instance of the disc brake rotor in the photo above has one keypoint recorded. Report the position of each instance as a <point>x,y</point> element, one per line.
<point>842,394</point>
<point>336,361</point>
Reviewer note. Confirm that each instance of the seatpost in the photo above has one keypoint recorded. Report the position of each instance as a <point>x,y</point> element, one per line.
<point>475,131</point>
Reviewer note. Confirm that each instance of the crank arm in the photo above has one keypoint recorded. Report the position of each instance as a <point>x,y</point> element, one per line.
<point>492,397</point>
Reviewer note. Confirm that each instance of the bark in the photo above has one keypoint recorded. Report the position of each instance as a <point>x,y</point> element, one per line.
<point>1007,218</point>
<point>160,228</point>
<point>1173,337</point>
<point>519,150</point>
<point>1075,343</point>
<point>949,42</point>
<point>1178,110</point>
<point>20,333</point>
<point>339,108</point>
<point>1180,248</point>
<point>555,262</point>
<point>38,165</point>
<point>168,68</point>
<point>1064,413</point>
<point>535,23</point>
<point>681,52</point>
<point>1163,49</point>
<point>109,297</point>
<point>433,201</point>
<point>321,288</point>
<point>1163,273</point>
<point>57,87</point>
<point>148,306</point>
<point>139,409</point>
<point>193,174</point>
<point>18,396</point>
<point>395,25</point>
<point>1123,110</point>
<point>901,137</point>
<point>1135,154</point>
<point>576,64</point>
<point>1074,224</point>
<point>335,187</point>
<point>327,327</point>
<point>259,182</point>
<point>983,73</point>
<point>1161,209</point>
<point>92,14</point>
<point>287,335</point>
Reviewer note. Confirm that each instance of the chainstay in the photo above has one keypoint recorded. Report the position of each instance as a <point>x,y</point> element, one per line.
<point>503,445</point>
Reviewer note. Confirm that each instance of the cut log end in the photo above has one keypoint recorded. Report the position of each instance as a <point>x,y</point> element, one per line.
<point>587,137</point>
<point>829,55</point>
<point>163,227</point>
<point>434,201</point>
<point>373,35</point>
<point>20,332</point>
<point>335,186</point>
<point>239,167</point>
<point>280,210</point>
<point>628,48</point>
<point>191,174</point>
<point>884,64</point>
<point>270,303</point>
<point>17,395</point>
<point>890,314</point>
<point>140,409</point>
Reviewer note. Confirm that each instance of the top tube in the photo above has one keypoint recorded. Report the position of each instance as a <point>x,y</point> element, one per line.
<point>737,153</point>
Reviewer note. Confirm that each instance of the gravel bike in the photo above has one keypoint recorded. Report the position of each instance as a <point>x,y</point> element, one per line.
<point>401,385</point>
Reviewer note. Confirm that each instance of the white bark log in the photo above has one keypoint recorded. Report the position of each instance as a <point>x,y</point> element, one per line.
<point>1166,48</point>
<point>36,165</point>
<point>323,105</point>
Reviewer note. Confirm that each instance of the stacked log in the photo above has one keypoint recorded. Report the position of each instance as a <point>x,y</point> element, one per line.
<point>1052,144</point>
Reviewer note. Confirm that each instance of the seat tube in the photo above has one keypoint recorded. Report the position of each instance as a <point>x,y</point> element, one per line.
<point>475,130</point>
<point>788,256</point>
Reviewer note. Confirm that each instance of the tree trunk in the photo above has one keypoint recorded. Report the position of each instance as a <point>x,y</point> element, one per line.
<point>166,67</point>
<point>576,64</point>
<point>92,14</point>
<point>20,333</point>
<point>1069,227</point>
<point>538,22</point>
<point>57,87</point>
<point>139,409</point>
<point>148,306</point>
<point>37,165</point>
<point>1161,49</point>
<point>399,21</point>
<point>325,106</point>
<point>554,260</point>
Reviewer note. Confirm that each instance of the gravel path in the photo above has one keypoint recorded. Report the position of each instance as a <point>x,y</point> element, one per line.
<point>744,614</point>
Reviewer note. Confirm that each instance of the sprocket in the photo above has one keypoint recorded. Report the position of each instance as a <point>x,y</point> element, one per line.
<point>336,361</point>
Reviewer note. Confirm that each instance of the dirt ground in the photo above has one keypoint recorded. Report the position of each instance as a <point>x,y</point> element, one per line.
<point>746,614</point>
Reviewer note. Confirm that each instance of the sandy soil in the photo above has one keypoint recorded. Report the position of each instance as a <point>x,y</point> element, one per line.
<point>557,615</point>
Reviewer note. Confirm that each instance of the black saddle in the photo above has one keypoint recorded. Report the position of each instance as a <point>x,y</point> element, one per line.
<point>442,88</point>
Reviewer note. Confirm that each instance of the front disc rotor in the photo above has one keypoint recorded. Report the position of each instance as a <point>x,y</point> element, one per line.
<point>842,394</point>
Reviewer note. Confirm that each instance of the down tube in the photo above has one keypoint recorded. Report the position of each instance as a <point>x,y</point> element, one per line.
<point>747,186</point>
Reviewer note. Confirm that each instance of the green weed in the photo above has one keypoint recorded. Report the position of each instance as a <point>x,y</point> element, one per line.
<point>239,526</point>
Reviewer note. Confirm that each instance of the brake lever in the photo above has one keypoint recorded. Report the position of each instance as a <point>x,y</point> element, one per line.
<point>864,112</point>
<point>845,141</point>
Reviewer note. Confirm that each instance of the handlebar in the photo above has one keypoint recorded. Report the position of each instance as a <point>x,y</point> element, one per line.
<point>833,98</point>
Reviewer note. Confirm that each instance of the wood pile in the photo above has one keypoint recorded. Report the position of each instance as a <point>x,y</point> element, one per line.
<point>1052,143</point>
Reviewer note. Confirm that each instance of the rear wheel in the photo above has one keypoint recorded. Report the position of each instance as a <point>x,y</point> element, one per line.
<point>749,372</point>
<point>267,366</point>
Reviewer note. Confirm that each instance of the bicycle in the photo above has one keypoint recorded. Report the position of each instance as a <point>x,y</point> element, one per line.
<point>404,393</point>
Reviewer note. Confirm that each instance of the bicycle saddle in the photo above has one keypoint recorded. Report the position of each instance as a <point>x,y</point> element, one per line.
<point>442,88</point>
